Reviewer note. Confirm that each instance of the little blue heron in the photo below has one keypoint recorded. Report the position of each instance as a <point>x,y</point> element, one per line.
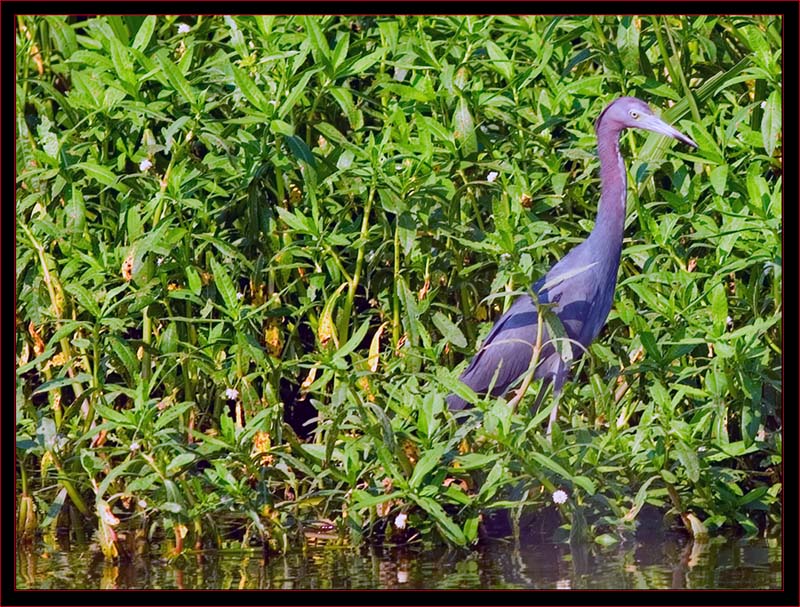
<point>579,288</point>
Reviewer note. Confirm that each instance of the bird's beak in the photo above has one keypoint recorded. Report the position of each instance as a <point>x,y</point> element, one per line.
<point>652,123</point>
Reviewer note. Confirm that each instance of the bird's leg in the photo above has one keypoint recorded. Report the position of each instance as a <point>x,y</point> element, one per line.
<point>540,396</point>
<point>558,383</point>
<point>553,412</point>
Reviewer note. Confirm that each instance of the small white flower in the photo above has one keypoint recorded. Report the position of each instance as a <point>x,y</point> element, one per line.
<point>184,28</point>
<point>763,105</point>
<point>400,74</point>
<point>559,496</point>
<point>400,520</point>
<point>729,322</point>
<point>145,164</point>
<point>142,504</point>
<point>135,446</point>
<point>492,176</point>
<point>239,295</point>
<point>159,261</point>
<point>231,393</point>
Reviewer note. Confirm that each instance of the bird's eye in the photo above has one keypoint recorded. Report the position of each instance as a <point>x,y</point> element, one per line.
<point>634,114</point>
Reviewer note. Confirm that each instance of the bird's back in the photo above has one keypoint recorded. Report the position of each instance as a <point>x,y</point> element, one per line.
<point>580,289</point>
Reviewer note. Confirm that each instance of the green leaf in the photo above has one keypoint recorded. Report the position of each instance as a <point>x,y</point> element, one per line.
<point>172,507</point>
<point>771,123</point>
<point>719,307</point>
<point>606,540</point>
<point>314,450</point>
<point>296,90</point>
<point>500,62</point>
<point>425,464</point>
<point>193,279</point>
<point>179,461</point>
<point>300,150</point>
<point>450,530</point>
<point>102,175</point>
<point>54,509</point>
<point>464,128</point>
<point>345,101</point>
<point>250,91</point>
<point>122,62</point>
<point>449,330</point>
<point>279,127</point>
<point>36,361</point>
<point>639,500</point>
<point>109,478</point>
<point>174,76</point>
<point>410,93</point>
<point>387,433</point>
<point>319,44</point>
<point>362,499</point>
<point>226,289</point>
<point>355,340</point>
<point>297,221</point>
<point>557,333</point>
<point>125,355</point>
<point>628,43</point>
<point>753,495</point>
<point>361,64</point>
<point>551,465</point>
<point>166,418</point>
<point>54,384</point>
<point>688,459</point>
<point>411,310</point>
<point>63,35</point>
<point>471,528</point>
<point>476,461</point>
<point>84,297</point>
<point>145,32</point>
<point>340,52</point>
<point>492,482</point>
<point>654,300</point>
<point>586,484</point>
<point>718,179</point>
<point>75,212</point>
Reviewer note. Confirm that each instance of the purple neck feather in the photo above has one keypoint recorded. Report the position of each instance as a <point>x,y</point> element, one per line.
<point>610,222</point>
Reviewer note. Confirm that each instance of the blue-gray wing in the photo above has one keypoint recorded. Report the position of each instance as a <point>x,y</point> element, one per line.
<point>580,292</point>
<point>505,353</point>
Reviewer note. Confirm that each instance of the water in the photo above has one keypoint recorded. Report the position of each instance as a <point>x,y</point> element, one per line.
<point>665,563</point>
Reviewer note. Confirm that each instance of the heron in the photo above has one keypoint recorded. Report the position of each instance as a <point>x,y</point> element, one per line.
<point>578,289</point>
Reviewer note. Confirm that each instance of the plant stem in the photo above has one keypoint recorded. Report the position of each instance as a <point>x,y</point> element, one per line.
<point>344,319</point>
<point>395,293</point>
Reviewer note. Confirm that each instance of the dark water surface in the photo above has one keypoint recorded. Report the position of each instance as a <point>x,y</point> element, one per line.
<point>671,562</point>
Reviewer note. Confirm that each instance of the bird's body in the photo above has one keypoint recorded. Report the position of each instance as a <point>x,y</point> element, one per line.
<point>580,287</point>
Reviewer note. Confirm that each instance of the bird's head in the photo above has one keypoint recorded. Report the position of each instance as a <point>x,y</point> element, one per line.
<point>633,113</point>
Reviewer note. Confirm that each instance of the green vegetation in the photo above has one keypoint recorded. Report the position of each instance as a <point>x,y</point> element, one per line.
<point>253,252</point>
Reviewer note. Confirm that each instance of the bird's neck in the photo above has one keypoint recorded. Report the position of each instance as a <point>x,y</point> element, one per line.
<point>610,222</point>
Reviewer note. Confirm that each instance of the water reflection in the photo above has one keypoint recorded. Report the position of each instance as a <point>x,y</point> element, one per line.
<point>655,563</point>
